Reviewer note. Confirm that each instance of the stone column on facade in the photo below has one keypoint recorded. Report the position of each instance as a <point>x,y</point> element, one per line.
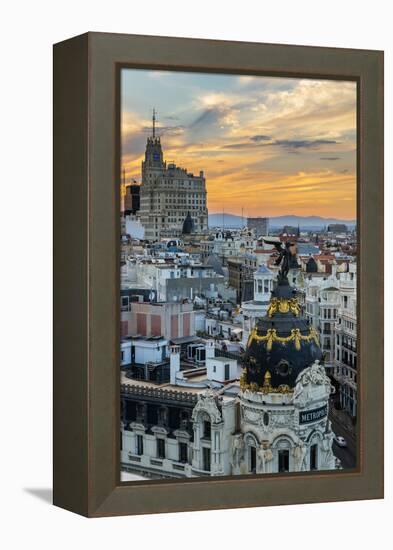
<point>196,447</point>
<point>216,465</point>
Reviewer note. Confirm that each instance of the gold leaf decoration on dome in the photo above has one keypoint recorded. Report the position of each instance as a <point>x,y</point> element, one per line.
<point>283,305</point>
<point>272,336</point>
<point>284,388</point>
<point>243,380</point>
<point>266,388</point>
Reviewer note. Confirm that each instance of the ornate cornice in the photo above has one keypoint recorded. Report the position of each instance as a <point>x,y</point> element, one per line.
<point>158,393</point>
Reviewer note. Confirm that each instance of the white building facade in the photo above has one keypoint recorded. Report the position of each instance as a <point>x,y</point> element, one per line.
<point>321,309</point>
<point>345,360</point>
<point>232,244</point>
<point>331,307</point>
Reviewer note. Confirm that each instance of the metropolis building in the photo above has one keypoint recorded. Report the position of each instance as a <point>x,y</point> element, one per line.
<point>267,413</point>
<point>168,194</point>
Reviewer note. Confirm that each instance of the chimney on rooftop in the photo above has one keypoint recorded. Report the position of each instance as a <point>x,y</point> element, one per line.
<point>174,363</point>
<point>210,349</point>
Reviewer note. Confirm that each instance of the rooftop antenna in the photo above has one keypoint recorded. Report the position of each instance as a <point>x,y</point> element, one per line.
<point>223,223</point>
<point>154,122</point>
<point>242,219</point>
<point>124,176</point>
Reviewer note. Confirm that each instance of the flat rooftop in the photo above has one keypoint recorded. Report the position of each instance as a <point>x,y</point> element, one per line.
<point>223,359</point>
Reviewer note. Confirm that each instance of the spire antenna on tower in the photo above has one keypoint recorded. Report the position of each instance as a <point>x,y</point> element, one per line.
<point>154,122</point>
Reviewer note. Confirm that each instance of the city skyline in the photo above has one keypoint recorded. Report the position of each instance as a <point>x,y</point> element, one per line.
<point>268,145</point>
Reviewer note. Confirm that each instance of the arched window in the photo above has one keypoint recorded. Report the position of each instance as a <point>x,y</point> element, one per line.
<point>313,440</point>
<point>283,446</point>
<point>251,450</point>
<point>314,456</point>
<point>207,429</point>
<point>204,421</point>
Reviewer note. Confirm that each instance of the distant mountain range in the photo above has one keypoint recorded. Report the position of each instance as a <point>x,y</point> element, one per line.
<point>232,221</point>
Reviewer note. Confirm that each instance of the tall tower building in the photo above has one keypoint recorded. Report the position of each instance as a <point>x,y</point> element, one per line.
<point>169,193</point>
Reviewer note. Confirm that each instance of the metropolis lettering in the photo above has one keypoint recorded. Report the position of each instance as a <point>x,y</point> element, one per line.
<point>305,417</point>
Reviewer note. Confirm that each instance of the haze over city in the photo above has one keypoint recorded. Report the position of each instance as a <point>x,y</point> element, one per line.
<point>267,145</point>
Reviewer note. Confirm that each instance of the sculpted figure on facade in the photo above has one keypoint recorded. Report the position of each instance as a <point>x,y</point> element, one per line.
<point>297,393</point>
<point>314,375</point>
<point>265,455</point>
<point>207,402</point>
<point>327,457</point>
<point>237,451</point>
<point>299,454</point>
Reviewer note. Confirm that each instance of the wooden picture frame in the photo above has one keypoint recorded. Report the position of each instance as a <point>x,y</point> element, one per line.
<point>86,273</point>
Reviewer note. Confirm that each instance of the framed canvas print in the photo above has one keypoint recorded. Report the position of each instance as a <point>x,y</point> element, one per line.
<point>218,309</point>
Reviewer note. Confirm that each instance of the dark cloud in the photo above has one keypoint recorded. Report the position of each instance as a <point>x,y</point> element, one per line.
<point>304,143</point>
<point>292,145</point>
<point>329,158</point>
<point>215,114</point>
<point>171,130</point>
<point>244,145</point>
<point>208,116</point>
<point>344,171</point>
<point>134,144</point>
<point>258,138</point>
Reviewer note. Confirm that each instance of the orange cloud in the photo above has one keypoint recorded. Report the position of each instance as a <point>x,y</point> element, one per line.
<point>270,152</point>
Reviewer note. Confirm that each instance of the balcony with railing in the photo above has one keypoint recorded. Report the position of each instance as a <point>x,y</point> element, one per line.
<point>349,347</point>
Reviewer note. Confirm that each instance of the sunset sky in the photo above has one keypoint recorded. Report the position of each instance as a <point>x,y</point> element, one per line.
<point>272,146</point>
